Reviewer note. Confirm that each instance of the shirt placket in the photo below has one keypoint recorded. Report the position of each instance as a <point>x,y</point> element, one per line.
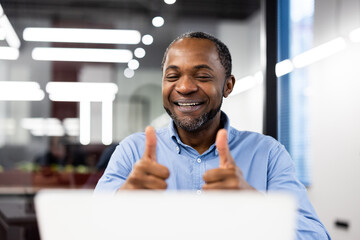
<point>197,164</point>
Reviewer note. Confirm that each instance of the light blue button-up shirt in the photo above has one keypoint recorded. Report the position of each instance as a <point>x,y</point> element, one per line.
<point>265,163</point>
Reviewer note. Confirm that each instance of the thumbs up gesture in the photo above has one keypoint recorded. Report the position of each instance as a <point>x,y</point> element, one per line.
<point>147,173</point>
<point>228,175</point>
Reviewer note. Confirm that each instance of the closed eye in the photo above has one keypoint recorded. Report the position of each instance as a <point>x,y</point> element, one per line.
<point>203,78</point>
<point>172,78</point>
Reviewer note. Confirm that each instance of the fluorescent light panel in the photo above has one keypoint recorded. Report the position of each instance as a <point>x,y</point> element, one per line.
<point>247,83</point>
<point>107,122</point>
<point>319,53</point>
<point>1,10</point>
<point>20,91</point>
<point>81,35</point>
<point>81,91</point>
<point>2,34</point>
<point>10,35</point>
<point>82,54</point>
<point>355,35</point>
<point>9,53</point>
<point>284,67</point>
<point>85,117</point>
<point>85,93</point>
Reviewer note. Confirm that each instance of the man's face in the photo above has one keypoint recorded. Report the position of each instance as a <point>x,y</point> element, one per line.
<point>193,83</point>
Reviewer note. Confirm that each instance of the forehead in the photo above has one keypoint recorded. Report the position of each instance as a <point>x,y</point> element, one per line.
<point>192,51</point>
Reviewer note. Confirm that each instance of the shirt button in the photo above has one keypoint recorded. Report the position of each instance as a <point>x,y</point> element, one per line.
<point>198,192</point>
<point>178,149</point>
<point>198,160</point>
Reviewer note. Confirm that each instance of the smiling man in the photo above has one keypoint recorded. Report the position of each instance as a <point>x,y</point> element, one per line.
<point>199,150</point>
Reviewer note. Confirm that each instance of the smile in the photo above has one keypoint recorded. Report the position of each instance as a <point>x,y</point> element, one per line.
<point>187,104</point>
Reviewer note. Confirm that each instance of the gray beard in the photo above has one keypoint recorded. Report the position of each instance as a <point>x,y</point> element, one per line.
<point>192,125</point>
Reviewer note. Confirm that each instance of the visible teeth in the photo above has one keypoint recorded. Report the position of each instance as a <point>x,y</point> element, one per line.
<point>187,104</point>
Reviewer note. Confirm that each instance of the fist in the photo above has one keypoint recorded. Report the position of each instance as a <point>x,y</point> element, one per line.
<point>147,173</point>
<point>228,175</point>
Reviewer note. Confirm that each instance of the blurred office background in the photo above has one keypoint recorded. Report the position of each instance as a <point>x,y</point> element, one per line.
<point>61,113</point>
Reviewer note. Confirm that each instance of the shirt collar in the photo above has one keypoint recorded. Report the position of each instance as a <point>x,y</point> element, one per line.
<point>224,121</point>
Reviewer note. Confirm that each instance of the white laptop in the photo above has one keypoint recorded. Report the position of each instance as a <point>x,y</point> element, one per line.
<point>78,215</point>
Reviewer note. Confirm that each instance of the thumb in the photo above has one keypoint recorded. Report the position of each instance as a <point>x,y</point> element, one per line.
<point>222,146</point>
<point>150,144</point>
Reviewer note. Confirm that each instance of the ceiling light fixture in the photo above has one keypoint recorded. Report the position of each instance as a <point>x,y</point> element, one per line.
<point>170,1</point>
<point>247,83</point>
<point>20,91</point>
<point>158,21</point>
<point>320,52</point>
<point>85,122</point>
<point>82,35</point>
<point>107,122</point>
<point>81,91</point>
<point>283,67</point>
<point>147,39</point>
<point>9,53</point>
<point>85,93</point>
<point>129,73</point>
<point>82,54</point>
<point>2,34</point>
<point>355,35</point>
<point>10,34</point>
<point>1,11</point>
<point>139,52</point>
<point>133,64</point>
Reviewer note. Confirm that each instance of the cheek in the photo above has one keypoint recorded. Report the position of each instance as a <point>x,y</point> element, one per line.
<point>213,92</point>
<point>166,90</point>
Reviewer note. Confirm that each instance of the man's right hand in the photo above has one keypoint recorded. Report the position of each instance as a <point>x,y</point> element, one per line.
<point>147,173</point>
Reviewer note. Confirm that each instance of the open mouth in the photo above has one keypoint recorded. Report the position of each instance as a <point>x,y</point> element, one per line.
<point>188,106</point>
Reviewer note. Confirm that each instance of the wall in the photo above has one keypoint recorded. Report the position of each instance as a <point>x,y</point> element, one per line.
<point>245,110</point>
<point>334,121</point>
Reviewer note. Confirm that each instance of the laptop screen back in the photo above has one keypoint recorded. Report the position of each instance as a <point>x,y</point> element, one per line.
<point>74,215</point>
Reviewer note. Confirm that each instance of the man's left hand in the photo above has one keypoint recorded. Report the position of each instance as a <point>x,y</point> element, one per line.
<point>228,175</point>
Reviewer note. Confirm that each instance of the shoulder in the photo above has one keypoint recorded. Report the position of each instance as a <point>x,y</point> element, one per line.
<point>131,146</point>
<point>253,138</point>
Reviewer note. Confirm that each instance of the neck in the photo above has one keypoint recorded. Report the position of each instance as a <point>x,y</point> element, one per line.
<point>203,138</point>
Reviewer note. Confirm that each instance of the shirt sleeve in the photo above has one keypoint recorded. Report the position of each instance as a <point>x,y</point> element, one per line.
<point>119,168</point>
<point>282,177</point>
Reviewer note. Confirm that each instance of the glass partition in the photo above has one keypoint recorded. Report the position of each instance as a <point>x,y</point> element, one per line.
<point>76,77</point>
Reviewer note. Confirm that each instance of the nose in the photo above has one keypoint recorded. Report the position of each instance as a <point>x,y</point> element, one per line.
<point>186,85</point>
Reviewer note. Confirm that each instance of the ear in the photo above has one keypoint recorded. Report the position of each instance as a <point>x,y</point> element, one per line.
<point>229,85</point>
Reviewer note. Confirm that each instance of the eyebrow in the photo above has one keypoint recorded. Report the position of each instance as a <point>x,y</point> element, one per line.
<point>172,67</point>
<point>201,66</point>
